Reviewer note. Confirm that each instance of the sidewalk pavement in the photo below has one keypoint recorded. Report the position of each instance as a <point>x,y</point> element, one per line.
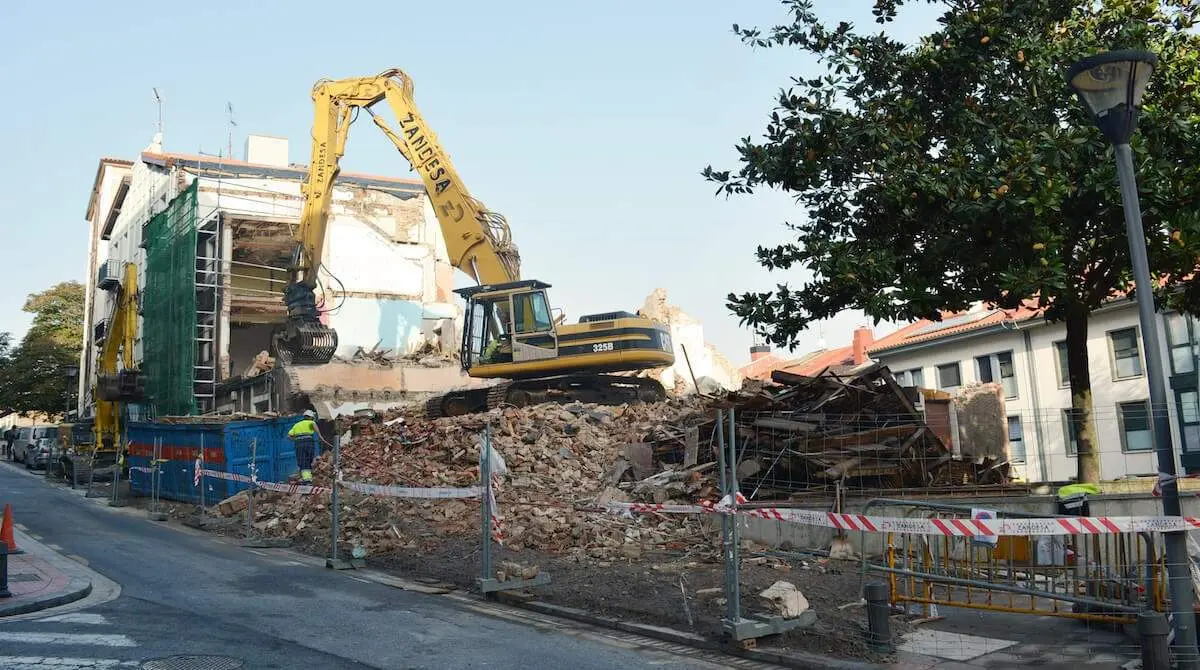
<point>41,578</point>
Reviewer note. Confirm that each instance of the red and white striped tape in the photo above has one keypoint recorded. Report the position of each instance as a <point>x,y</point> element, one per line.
<point>380,490</point>
<point>433,492</point>
<point>1101,525</point>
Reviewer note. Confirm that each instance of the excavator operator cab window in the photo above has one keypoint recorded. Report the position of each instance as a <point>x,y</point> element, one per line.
<point>489,328</point>
<point>531,313</point>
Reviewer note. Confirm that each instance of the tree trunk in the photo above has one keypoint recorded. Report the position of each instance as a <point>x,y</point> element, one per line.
<point>1087,459</point>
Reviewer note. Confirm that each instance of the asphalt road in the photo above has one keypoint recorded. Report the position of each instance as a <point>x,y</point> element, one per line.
<point>185,592</point>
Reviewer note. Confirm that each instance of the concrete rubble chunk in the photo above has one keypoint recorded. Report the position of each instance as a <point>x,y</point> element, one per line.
<point>786,599</point>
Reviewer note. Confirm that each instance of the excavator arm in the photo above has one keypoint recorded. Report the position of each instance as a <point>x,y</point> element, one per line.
<point>478,240</point>
<point>117,377</point>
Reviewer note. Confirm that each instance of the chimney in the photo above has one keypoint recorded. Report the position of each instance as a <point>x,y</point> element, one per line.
<point>759,351</point>
<point>863,337</point>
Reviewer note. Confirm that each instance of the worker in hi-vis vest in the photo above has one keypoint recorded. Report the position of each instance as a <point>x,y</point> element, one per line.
<point>304,434</point>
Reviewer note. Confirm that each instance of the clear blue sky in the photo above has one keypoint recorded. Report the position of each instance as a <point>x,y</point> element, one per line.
<point>586,124</point>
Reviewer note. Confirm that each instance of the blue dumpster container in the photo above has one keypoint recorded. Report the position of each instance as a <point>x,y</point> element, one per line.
<point>227,448</point>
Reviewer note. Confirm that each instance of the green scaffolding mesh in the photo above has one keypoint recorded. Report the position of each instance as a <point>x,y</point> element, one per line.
<point>169,306</point>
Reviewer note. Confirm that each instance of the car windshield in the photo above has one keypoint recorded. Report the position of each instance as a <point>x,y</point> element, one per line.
<point>45,432</point>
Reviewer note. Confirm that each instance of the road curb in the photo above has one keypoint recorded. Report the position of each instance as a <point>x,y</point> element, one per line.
<point>78,588</point>
<point>798,659</point>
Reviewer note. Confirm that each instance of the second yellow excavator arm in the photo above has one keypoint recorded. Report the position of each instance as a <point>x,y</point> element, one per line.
<point>117,377</point>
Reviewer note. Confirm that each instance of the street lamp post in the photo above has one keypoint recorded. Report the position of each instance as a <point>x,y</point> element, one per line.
<point>70,372</point>
<point>1111,86</point>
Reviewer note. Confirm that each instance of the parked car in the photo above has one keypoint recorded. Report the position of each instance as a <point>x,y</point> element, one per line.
<point>33,445</point>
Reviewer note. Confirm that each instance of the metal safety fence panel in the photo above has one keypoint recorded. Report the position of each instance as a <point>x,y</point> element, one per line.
<point>1094,573</point>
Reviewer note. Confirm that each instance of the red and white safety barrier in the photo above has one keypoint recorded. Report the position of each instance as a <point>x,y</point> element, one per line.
<point>1100,525</point>
<point>295,489</point>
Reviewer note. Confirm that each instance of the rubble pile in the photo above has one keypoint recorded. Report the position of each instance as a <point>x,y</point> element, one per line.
<point>561,461</point>
<point>428,355</point>
<point>863,431</point>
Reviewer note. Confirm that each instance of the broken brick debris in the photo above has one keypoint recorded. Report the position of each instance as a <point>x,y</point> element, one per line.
<point>565,461</point>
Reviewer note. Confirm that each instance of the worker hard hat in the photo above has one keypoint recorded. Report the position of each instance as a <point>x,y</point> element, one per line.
<point>310,414</point>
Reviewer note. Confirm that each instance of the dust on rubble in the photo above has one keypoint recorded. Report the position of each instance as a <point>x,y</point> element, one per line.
<point>560,459</point>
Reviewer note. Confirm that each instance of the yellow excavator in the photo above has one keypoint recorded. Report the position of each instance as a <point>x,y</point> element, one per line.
<point>118,378</point>
<point>510,332</point>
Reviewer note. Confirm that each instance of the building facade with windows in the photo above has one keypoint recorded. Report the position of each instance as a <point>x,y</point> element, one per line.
<point>1026,355</point>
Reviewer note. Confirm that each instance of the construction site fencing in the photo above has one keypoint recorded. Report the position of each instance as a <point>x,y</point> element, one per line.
<point>679,556</point>
<point>1096,568</point>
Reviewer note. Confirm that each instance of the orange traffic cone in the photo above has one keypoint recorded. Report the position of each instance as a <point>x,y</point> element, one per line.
<point>6,531</point>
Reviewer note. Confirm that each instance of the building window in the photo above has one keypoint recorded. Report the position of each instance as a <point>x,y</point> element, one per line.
<point>949,376</point>
<point>1135,426</point>
<point>1179,343</point>
<point>1127,360</point>
<point>1189,416</point>
<point>1071,431</point>
<point>1016,440</point>
<point>1064,370</point>
<point>914,377</point>
<point>998,367</point>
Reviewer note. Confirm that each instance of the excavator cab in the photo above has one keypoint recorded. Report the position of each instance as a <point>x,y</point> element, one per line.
<point>508,329</point>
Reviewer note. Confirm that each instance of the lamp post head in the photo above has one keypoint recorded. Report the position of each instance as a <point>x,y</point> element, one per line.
<point>1111,85</point>
<point>70,371</point>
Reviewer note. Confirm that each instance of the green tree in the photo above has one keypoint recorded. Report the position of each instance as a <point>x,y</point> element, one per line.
<point>58,313</point>
<point>961,168</point>
<point>31,376</point>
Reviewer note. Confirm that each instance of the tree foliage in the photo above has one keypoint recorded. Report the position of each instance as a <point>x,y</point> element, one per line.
<point>32,375</point>
<point>961,168</point>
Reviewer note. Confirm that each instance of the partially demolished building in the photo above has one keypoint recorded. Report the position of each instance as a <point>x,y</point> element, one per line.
<point>212,238</point>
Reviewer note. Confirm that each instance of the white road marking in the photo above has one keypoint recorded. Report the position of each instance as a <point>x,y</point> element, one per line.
<point>61,663</point>
<point>35,536</point>
<point>77,617</point>
<point>68,638</point>
<point>21,527</point>
<point>952,646</point>
<point>55,547</point>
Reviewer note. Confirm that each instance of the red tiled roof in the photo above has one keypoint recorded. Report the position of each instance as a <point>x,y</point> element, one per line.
<point>761,368</point>
<point>818,361</point>
<point>911,334</point>
<point>809,364</point>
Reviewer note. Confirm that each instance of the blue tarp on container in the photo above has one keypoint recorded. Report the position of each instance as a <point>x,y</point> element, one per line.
<point>227,448</point>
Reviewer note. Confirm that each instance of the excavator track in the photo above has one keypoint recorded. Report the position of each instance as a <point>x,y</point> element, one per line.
<point>597,389</point>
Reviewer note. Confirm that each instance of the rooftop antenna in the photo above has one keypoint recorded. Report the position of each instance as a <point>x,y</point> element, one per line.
<point>232,125</point>
<point>158,101</point>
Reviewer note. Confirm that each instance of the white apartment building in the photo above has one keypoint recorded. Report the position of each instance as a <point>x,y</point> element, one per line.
<point>1027,356</point>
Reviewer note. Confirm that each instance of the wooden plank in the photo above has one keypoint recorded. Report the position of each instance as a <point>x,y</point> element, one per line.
<point>873,436</point>
<point>691,448</point>
<point>790,378</point>
<point>785,424</point>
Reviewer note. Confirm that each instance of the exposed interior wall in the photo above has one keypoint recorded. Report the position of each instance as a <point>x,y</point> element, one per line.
<point>245,342</point>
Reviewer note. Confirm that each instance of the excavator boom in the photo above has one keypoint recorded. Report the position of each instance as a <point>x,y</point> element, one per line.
<point>516,336</point>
